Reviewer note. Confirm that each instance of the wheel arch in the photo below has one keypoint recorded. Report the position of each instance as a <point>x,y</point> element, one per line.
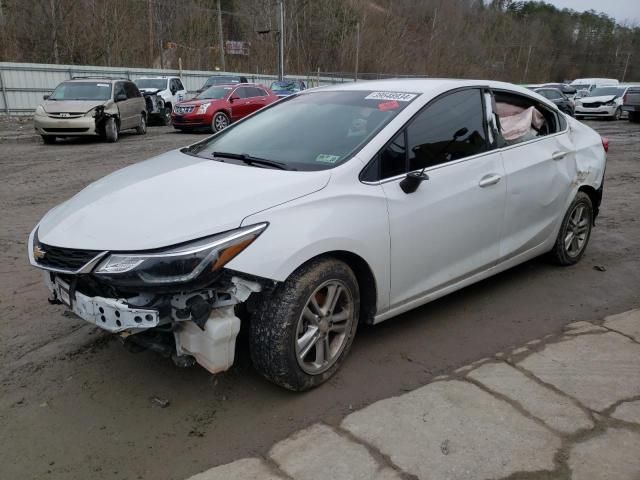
<point>364,276</point>
<point>595,196</point>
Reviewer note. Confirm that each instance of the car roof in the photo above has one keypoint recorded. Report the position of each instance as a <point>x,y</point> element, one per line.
<point>157,77</point>
<point>96,79</point>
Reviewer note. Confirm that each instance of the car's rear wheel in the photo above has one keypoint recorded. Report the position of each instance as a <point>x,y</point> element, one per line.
<point>111,130</point>
<point>575,231</point>
<point>141,129</point>
<point>49,139</point>
<point>219,122</point>
<point>303,331</point>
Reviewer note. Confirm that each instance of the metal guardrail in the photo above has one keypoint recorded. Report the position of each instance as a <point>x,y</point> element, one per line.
<point>23,84</point>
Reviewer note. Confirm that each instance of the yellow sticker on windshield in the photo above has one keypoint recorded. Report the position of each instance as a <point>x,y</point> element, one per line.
<point>326,158</point>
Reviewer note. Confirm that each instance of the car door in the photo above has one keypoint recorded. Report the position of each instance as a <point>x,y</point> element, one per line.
<point>259,99</point>
<point>449,228</point>
<point>124,106</point>
<point>539,177</point>
<point>241,107</point>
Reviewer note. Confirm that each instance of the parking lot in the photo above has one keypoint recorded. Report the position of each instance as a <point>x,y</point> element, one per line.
<point>75,404</point>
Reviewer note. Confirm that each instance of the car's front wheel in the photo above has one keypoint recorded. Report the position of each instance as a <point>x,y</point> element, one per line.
<point>617,114</point>
<point>219,122</point>
<point>111,130</point>
<point>574,232</point>
<point>302,332</point>
<point>141,129</point>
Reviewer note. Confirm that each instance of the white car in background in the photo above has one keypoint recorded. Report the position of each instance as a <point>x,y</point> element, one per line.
<point>161,95</point>
<point>602,102</point>
<point>333,207</point>
<point>585,85</point>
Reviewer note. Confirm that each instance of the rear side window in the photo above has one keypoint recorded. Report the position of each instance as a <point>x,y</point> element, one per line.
<point>243,92</point>
<point>449,129</point>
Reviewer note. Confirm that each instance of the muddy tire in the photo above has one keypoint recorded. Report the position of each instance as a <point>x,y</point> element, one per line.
<point>575,231</point>
<point>303,331</point>
<point>141,129</point>
<point>165,119</point>
<point>49,139</point>
<point>111,130</point>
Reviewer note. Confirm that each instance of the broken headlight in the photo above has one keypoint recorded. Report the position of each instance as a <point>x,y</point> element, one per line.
<point>178,264</point>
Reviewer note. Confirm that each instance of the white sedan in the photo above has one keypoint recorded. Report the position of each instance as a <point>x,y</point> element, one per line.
<point>333,207</point>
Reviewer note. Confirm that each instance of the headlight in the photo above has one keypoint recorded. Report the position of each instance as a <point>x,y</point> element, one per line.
<point>178,264</point>
<point>203,108</point>
<point>40,110</point>
<point>611,103</point>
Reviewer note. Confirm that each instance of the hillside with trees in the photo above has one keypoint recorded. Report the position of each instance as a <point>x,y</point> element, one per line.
<point>519,41</point>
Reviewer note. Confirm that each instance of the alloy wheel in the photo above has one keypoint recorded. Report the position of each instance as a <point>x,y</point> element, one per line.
<point>220,121</point>
<point>324,326</point>
<point>577,230</point>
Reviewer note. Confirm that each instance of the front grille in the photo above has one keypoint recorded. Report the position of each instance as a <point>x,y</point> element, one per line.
<point>65,258</point>
<point>66,115</point>
<point>593,105</point>
<point>180,109</point>
<point>66,130</point>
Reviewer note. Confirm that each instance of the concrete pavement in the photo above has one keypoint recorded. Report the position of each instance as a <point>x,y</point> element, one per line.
<point>563,407</point>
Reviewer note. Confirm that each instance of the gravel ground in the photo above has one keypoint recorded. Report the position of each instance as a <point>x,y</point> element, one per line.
<point>75,405</point>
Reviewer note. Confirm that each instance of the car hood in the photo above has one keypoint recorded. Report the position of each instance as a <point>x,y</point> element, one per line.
<point>604,98</point>
<point>150,91</point>
<point>170,199</point>
<point>71,106</point>
<point>198,101</point>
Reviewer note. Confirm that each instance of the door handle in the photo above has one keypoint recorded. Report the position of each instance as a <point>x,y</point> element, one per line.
<point>558,155</point>
<point>488,180</point>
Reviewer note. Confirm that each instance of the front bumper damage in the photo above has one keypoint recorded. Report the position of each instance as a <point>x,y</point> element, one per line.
<point>197,325</point>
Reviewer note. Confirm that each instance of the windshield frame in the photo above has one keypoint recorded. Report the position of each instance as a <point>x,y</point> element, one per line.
<point>195,148</point>
<point>70,82</point>
<point>228,88</point>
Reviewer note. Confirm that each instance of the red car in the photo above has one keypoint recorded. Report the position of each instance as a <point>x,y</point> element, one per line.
<point>220,105</point>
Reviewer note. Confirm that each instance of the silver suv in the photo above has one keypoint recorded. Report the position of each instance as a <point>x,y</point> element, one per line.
<point>91,106</point>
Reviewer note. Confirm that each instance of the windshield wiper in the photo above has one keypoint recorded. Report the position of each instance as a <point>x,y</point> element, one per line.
<point>251,160</point>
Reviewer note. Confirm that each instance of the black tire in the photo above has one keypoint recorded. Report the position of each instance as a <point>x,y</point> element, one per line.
<point>111,130</point>
<point>634,117</point>
<point>141,129</point>
<point>274,327</point>
<point>49,139</point>
<point>617,115</point>
<point>166,116</point>
<point>220,121</point>
<point>563,254</point>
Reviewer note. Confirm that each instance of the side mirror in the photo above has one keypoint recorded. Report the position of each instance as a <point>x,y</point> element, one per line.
<point>234,97</point>
<point>121,97</point>
<point>45,97</point>
<point>412,181</point>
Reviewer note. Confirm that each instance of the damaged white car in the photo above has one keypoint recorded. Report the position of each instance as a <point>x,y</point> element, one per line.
<point>333,207</point>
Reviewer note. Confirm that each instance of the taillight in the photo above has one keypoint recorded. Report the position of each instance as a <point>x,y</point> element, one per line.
<point>605,143</point>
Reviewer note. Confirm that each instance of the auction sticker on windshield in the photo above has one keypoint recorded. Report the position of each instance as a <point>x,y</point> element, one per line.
<point>326,158</point>
<point>397,96</point>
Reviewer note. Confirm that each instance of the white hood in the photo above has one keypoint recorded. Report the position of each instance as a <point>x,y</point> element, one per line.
<point>603,99</point>
<point>170,199</point>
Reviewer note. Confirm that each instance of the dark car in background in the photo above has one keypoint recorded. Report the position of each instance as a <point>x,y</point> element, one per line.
<point>569,91</point>
<point>564,103</point>
<point>286,87</point>
<point>631,103</point>
<point>220,105</point>
<point>221,80</point>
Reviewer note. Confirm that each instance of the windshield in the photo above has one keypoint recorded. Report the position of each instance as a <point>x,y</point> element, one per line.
<point>311,131</point>
<point>214,93</point>
<point>159,83</point>
<point>603,91</point>
<point>284,87</point>
<point>82,91</point>
<point>219,80</point>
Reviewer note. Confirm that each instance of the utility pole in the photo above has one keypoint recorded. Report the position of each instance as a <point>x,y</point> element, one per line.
<point>526,67</point>
<point>281,41</point>
<point>357,50</point>
<point>221,38</point>
<point>150,28</point>
<point>626,65</point>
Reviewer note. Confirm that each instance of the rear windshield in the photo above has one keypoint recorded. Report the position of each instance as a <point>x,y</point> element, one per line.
<point>311,131</point>
<point>603,91</point>
<point>214,93</point>
<point>159,83</point>
<point>82,91</point>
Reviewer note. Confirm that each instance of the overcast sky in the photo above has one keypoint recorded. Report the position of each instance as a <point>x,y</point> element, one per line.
<point>621,10</point>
